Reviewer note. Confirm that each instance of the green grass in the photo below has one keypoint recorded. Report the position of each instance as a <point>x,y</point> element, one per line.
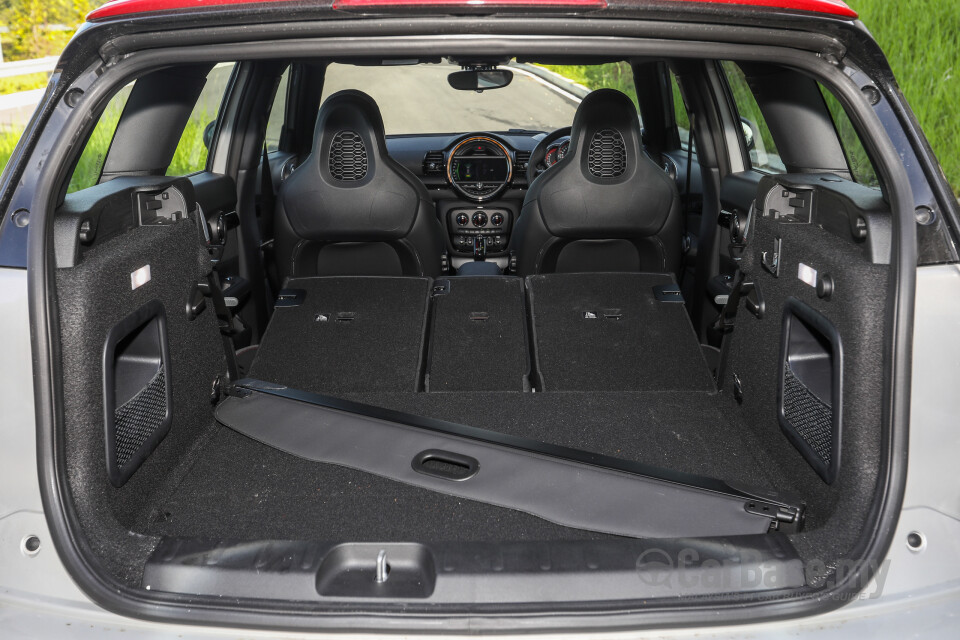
<point>87,172</point>
<point>189,157</point>
<point>922,42</point>
<point>27,82</point>
<point>8,142</point>
<point>191,154</point>
<point>615,75</point>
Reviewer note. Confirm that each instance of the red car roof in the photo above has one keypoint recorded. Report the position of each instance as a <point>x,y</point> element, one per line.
<point>118,8</point>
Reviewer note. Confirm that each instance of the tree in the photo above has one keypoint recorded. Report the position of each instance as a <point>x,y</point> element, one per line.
<point>41,28</point>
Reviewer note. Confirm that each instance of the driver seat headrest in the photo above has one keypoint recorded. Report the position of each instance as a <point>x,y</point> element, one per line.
<point>604,189</point>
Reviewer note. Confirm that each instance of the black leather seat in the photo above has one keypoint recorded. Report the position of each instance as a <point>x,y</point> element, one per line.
<point>349,208</point>
<point>606,206</point>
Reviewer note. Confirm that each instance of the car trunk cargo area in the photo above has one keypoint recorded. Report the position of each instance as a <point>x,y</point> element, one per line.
<point>571,375</point>
<point>610,365</point>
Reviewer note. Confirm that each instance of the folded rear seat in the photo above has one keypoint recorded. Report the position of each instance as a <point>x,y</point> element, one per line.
<point>614,332</point>
<point>346,333</point>
<point>478,335</point>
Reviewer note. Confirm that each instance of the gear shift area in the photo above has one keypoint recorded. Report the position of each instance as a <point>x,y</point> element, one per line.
<point>479,248</point>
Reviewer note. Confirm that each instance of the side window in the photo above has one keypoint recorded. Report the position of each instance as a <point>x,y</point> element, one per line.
<point>680,113</point>
<point>861,168</point>
<point>90,165</point>
<point>277,113</point>
<point>191,153</point>
<point>759,141</point>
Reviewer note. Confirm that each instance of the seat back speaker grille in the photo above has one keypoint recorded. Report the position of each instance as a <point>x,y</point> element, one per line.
<point>348,157</point>
<point>607,155</point>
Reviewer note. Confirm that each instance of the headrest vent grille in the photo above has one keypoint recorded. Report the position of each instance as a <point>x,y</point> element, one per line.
<point>348,157</point>
<point>607,155</point>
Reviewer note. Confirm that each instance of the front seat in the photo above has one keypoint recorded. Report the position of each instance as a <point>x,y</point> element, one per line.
<point>605,206</point>
<point>351,209</point>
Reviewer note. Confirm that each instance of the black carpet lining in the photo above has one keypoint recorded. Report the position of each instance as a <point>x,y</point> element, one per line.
<point>640,391</point>
<point>478,338</point>
<point>349,334</point>
<point>241,489</point>
<point>608,332</point>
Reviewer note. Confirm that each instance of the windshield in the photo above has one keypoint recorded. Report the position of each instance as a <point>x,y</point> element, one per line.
<point>416,99</point>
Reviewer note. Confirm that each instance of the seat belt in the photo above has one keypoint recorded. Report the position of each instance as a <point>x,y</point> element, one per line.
<point>743,288</point>
<point>225,322</point>
<point>725,324</point>
<point>210,288</point>
<point>267,212</point>
<point>690,142</point>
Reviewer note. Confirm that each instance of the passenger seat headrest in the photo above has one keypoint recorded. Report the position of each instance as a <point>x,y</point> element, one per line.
<point>607,125</point>
<point>348,139</point>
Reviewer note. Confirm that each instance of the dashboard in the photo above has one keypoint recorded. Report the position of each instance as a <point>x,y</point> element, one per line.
<point>479,168</point>
<point>478,180</point>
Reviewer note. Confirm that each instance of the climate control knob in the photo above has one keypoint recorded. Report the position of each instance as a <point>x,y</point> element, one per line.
<point>479,219</point>
<point>497,219</point>
<point>462,219</point>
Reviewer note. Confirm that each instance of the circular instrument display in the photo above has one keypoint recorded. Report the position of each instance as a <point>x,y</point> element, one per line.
<point>479,168</point>
<point>556,152</point>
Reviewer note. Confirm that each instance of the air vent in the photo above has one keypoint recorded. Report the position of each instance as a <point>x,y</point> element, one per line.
<point>607,157</point>
<point>522,158</point>
<point>433,163</point>
<point>348,157</point>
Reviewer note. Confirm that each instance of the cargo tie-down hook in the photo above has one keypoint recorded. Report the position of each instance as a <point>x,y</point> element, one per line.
<point>383,569</point>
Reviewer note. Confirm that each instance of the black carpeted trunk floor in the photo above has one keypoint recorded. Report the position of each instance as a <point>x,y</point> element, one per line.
<point>240,489</point>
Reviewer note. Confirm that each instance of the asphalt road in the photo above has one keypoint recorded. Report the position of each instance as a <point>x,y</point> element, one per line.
<point>413,99</point>
<point>418,99</point>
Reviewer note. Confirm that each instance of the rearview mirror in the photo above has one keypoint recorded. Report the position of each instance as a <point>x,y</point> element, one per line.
<point>479,80</point>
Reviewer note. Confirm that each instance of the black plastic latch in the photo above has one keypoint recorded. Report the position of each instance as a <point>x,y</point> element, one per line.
<point>440,288</point>
<point>785,519</point>
<point>290,298</point>
<point>667,293</point>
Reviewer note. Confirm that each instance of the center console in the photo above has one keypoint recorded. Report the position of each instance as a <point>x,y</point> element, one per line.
<point>466,223</point>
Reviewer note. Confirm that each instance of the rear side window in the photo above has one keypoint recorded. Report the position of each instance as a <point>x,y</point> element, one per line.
<point>757,136</point>
<point>90,165</point>
<point>191,154</point>
<point>861,168</point>
<point>680,113</point>
<point>277,113</point>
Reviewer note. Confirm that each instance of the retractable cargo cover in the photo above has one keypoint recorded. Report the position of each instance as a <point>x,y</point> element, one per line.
<point>565,486</point>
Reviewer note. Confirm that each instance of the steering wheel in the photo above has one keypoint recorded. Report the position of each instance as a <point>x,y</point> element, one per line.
<point>540,152</point>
